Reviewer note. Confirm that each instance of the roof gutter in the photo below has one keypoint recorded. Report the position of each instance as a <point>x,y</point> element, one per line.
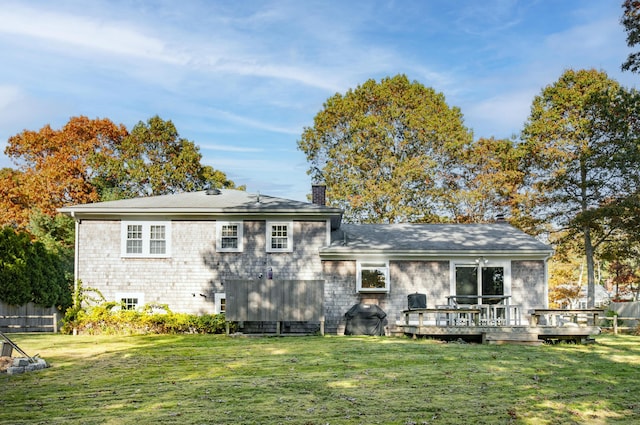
<point>353,254</point>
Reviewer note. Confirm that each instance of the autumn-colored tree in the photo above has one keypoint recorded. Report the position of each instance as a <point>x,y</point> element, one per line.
<point>382,149</point>
<point>91,160</point>
<point>484,183</point>
<point>582,160</point>
<point>566,271</point>
<point>622,278</point>
<point>14,206</point>
<point>57,167</point>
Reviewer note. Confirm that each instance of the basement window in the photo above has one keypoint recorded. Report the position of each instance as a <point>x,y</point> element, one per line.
<point>130,301</point>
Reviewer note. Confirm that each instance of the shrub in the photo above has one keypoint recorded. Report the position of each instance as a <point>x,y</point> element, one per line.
<point>109,318</point>
<point>30,272</point>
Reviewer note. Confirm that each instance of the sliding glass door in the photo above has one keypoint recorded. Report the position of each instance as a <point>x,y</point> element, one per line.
<point>474,283</point>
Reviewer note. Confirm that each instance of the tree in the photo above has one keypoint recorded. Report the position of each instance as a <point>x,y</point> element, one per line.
<point>631,21</point>
<point>623,276</point>
<point>382,149</point>
<point>57,167</point>
<point>484,182</point>
<point>16,286</point>
<point>96,160</point>
<point>154,160</point>
<point>30,273</point>
<point>14,204</point>
<point>581,160</point>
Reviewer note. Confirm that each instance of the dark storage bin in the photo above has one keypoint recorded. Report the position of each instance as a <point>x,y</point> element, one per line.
<point>416,301</point>
<point>365,319</point>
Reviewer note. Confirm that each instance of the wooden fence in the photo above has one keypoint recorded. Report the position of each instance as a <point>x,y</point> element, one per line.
<point>267,300</point>
<point>615,320</point>
<point>627,316</point>
<point>28,318</point>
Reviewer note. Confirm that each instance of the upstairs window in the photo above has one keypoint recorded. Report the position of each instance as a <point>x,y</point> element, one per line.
<point>134,239</point>
<point>157,240</point>
<point>372,276</point>
<point>229,236</point>
<point>279,236</point>
<point>146,239</point>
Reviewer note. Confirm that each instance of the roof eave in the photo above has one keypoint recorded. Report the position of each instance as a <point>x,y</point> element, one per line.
<point>333,253</point>
<point>116,213</point>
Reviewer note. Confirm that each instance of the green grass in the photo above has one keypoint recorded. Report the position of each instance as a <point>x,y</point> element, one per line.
<point>207,379</point>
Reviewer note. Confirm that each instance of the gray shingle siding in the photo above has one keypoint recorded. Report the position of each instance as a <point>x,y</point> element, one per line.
<point>194,267</point>
<point>419,255</point>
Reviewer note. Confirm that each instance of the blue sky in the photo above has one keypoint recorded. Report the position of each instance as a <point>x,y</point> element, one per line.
<point>242,79</point>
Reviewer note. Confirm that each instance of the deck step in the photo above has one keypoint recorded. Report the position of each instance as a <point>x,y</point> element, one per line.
<point>526,338</point>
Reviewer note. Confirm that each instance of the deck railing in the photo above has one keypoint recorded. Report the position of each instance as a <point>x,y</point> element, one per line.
<point>465,315</point>
<point>562,317</point>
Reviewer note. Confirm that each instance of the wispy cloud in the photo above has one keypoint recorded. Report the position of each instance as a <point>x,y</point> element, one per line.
<point>98,36</point>
<point>84,32</point>
<point>250,122</point>
<point>229,148</point>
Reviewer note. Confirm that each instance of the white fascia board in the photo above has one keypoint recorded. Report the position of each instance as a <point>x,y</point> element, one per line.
<point>194,214</point>
<point>353,254</point>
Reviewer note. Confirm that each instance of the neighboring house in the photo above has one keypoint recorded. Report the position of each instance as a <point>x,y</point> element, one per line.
<point>601,297</point>
<point>207,252</point>
<point>580,300</point>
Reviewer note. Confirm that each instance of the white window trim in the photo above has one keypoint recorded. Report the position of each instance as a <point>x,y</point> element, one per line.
<point>146,235</point>
<point>505,264</point>
<point>360,264</point>
<point>138,295</point>
<point>219,225</point>
<point>289,225</point>
<point>218,297</point>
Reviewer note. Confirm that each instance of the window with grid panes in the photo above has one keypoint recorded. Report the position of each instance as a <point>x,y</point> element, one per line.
<point>146,239</point>
<point>229,236</point>
<point>129,303</point>
<point>157,240</point>
<point>279,236</point>
<point>134,239</point>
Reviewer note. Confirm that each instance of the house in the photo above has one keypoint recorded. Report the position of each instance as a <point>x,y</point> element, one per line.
<point>271,262</point>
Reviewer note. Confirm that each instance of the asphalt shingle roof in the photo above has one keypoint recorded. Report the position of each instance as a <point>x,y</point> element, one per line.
<point>225,201</point>
<point>436,238</point>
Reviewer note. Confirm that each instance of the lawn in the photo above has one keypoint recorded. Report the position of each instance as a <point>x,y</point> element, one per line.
<point>205,379</point>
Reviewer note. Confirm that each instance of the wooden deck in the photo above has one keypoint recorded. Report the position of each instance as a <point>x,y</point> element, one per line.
<point>564,325</point>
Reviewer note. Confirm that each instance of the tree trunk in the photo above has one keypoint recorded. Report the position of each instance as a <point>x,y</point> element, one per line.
<point>588,251</point>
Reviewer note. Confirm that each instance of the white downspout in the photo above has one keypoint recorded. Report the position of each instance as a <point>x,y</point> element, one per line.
<point>76,252</point>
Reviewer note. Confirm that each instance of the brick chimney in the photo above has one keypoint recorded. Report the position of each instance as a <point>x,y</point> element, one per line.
<point>318,192</point>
